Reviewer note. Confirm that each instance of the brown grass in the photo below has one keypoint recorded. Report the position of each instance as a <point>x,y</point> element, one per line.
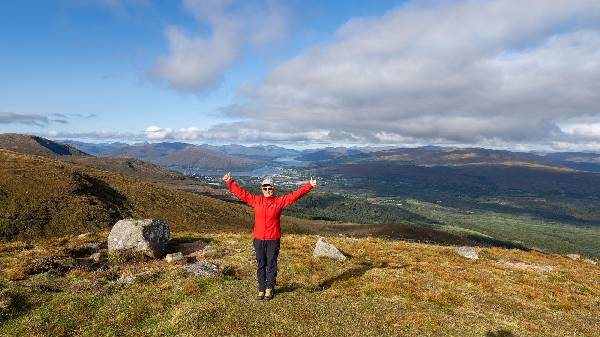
<point>384,288</point>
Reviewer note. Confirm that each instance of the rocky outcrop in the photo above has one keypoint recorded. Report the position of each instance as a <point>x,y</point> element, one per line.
<point>149,236</point>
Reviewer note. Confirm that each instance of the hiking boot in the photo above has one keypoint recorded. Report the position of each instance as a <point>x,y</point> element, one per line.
<point>269,294</point>
<point>260,296</point>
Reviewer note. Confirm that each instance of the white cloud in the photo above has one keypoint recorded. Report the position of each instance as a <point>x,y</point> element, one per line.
<point>198,62</point>
<point>233,133</point>
<point>155,132</point>
<point>95,135</point>
<point>469,72</point>
<point>23,118</point>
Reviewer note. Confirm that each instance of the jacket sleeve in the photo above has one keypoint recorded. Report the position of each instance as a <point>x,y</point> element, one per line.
<point>289,199</point>
<point>240,192</point>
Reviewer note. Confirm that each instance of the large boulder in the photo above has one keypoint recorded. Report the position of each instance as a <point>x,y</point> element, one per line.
<point>326,249</point>
<point>149,236</point>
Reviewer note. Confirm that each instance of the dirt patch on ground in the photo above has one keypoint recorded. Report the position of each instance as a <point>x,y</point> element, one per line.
<point>524,266</point>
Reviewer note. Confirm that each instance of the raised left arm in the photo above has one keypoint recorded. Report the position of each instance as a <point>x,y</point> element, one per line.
<point>289,199</point>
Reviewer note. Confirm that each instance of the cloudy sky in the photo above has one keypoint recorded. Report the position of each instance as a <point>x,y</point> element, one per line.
<point>518,74</point>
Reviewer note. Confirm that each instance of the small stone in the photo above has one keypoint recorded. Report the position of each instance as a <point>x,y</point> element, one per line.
<point>573,256</point>
<point>84,235</point>
<point>468,252</point>
<point>128,279</point>
<point>325,249</point>
<point>202,269</point>
<point>96,257</point>
<point>175,257</point>
<point>590,261</point>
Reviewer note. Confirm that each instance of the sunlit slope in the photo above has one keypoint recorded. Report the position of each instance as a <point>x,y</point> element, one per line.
<point>41,196</point>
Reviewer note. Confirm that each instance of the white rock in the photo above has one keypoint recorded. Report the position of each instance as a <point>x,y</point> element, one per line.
<point>323,248</point>
<point>573,256</point>
<point>468,252</point>
<point>175,257</point>
<point>590,261</point>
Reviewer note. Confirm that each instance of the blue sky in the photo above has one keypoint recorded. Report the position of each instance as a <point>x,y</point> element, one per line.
<point>304,72</point>
<point>94,58</point>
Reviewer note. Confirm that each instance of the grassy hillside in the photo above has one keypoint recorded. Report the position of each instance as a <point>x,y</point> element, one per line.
<point>41,197</point>
<point>36,145</point>
<point>129,167</point>
<point>385,288</point>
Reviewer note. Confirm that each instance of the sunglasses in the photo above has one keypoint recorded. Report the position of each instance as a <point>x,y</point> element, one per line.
<point>267,188</point>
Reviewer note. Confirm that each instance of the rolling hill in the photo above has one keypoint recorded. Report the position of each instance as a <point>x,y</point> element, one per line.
<point>259,152</point>
<point>37,145</point>
<point>431,156</point>
<point>96,149</point>
<point>584,161</point>
<point>47,197</point>
<point>132,167</point>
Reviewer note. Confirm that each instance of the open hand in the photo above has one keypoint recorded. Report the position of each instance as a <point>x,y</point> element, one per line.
<point>227,177</point>
<point>313,181</point>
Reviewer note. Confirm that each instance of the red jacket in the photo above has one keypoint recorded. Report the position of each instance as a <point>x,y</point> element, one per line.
<point>267,211</point>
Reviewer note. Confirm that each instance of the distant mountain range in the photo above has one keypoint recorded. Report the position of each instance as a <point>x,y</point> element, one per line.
<point>432,155</point>
<point>184,155</point>
<point>171,155</point>
<point>259,152</point>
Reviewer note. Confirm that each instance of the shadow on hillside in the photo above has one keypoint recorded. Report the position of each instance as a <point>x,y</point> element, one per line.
<point>288,288</point>
<point>499,333</point>
<point>187,245</point>
<point>113,199</point>
<point>543,214</point>
<point>16,304</point>
<point>485,241</point>
<point>354,272</point>
<point>405,232</point>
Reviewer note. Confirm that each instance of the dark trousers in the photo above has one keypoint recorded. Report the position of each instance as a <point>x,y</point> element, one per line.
<point>266,262</point>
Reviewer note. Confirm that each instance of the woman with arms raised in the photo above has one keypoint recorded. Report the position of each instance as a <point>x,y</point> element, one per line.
<point>267,227</point>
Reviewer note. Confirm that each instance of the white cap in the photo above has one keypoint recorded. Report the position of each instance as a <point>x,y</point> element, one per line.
<point>268,181</point>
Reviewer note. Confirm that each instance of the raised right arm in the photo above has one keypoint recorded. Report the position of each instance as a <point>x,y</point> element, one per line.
<point>240,192</point>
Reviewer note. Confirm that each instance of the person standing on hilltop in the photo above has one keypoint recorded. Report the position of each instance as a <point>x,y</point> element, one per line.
<point>267,227</point>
